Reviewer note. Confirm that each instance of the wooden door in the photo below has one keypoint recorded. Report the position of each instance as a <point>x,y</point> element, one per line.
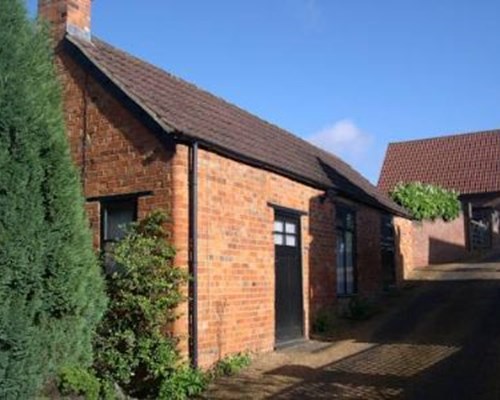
<point>288,279</point>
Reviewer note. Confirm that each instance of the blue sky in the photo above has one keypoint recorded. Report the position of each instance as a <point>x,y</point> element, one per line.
<point>349,75</point>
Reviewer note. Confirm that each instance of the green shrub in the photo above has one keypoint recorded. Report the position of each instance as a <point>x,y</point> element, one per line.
<point>231,365</point>
<point>79,381</point>
<point>108,391</point>
<point>324,321</point>
<point>359,308</point>
<point>132,348</point>
<point>427,202</point>
<point>183,383</point>
<point>51,288</point>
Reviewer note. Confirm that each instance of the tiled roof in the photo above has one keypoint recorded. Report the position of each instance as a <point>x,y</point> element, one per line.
<point>182,107</point>
<point>469,163</point>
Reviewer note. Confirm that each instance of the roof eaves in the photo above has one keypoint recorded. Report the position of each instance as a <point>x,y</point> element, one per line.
<point>168,128</point>
<point>182,136</point>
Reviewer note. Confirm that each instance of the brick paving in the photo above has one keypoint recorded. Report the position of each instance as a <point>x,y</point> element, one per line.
<point>438,340</point>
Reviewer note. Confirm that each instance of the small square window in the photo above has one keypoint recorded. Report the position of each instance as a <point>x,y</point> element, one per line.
<point>290,228</point>
<point>116,217</point>
<point>278,226</point>
<point>278,239</point>
<point>291,240</point>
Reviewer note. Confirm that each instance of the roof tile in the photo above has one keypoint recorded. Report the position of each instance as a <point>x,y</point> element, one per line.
<point>199,114</point>
<point>467,162</point>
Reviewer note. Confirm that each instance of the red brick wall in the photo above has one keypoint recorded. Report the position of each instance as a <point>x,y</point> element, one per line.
<point>114,152</point>
<point>432,242</point>
<point>64,13</point>
<point>236,251</point>
<point>404,247</point>
<point>118,155</point>
<point>369,256</point>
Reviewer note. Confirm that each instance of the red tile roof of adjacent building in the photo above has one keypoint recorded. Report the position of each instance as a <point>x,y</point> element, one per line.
<point>469,162</point>
<point>181,107</point>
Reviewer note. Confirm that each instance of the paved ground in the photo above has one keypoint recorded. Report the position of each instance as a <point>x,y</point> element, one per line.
<point>437,340</point>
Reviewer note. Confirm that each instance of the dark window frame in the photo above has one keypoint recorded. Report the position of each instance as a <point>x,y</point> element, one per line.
<point>342,226</point>
<point>110,266</point>
<point>105,205</point>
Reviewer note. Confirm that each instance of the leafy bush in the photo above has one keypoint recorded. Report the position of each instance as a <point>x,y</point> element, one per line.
<point>79,381</point>
<point>51,288</point>
<point>324,321</point>
<point>427,201</point>
<point>183,383</point>
<point>231,365</point>
<point>359,308</point>
<point>132,348</point>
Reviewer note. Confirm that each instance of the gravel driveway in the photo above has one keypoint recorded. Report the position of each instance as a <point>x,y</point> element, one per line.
<point>438,340</point>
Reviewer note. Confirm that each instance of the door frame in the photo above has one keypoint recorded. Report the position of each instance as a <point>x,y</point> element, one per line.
<point>290,214</point>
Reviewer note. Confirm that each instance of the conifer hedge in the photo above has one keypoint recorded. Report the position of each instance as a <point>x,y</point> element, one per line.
<point>51,289</point>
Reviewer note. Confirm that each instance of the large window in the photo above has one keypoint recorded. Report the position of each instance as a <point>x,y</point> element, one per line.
<point>346,251</point>
<point>116,215</point>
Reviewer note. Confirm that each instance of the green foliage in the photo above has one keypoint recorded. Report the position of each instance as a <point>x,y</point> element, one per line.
<point>108,391</point>
<point>324,321</point>
<point>51,290</point>
<point>427,201</point>
<point>79,381</point>
<point>183,383</point>
<point>132,348</point>
<point>359,308</point>
<point>231,365</point>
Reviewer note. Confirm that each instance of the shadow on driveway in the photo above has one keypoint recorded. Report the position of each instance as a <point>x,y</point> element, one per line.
<point>441,340</point>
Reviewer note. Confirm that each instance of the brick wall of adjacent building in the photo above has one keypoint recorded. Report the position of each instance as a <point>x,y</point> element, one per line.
<point>117,154</point>
<point>432,242</point>
<point>404,247</point>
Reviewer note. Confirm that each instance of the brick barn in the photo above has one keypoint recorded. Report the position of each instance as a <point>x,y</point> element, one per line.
<point>468,163</point>
<point>271,227</point>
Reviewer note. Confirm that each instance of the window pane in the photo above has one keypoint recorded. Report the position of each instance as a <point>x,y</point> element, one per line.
<point>349,247</point>
<point>117,217</point>
<point>291,240</point>
<point>290,228</point>
<point>345,218</point>
<point>340,266</point>
<point>349,280</point>
<point>278,226</point>
<point>278,239</point>
<point>349,221</point>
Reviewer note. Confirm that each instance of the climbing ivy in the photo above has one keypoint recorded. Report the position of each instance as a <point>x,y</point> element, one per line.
<point>427,202</point>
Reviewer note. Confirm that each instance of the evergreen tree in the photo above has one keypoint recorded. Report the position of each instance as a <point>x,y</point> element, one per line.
<point>51,289</point>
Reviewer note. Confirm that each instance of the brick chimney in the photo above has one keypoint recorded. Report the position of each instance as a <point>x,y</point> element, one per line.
<point>67,16</point>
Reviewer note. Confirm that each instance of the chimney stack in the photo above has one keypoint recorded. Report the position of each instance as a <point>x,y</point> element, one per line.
<point>67,16</point>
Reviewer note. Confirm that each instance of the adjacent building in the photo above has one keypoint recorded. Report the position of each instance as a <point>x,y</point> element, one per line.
<point>468,163</point>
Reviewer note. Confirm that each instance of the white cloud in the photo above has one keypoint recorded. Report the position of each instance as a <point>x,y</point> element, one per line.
<point>343,138</point>
<point>312,14</point>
